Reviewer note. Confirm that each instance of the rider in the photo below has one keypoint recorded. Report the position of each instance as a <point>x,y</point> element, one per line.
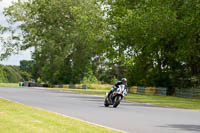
<point>123,81</point>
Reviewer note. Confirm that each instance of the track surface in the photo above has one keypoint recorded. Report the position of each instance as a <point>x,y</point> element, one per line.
<point>128,117</point>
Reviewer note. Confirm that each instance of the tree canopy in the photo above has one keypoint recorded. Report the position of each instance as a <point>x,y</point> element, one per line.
<point>152,43</point>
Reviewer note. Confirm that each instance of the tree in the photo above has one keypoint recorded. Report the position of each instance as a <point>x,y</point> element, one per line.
<point>152,43</point>
<point>63,33</point>
<point>26,66</point>
<point>160,39</point>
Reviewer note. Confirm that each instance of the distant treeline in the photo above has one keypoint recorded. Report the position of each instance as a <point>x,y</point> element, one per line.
<point>12,74</point>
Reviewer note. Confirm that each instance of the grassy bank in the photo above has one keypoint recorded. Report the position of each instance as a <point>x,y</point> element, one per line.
<point>18,118</point>
<point>9,85</point>
<point>170,101</point>
<point>185,103</point>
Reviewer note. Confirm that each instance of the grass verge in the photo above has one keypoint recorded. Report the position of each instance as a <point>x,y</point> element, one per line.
<point>84,91</point>
<point>170,101</point>
<point>185,103</point>
<point>19,118</point>
<point>9,85</point>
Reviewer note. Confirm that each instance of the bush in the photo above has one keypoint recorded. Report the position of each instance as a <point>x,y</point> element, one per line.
<point>90,80</point>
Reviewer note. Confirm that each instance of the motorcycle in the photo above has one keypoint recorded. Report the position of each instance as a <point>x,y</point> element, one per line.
<point>116,97</point>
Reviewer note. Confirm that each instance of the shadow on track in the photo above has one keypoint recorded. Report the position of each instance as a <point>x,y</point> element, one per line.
<point>184,127</point>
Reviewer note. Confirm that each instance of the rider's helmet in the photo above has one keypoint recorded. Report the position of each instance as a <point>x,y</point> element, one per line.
<point>124,81</point>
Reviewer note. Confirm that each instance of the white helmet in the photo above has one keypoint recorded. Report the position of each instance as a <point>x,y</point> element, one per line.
<point>124,80</point>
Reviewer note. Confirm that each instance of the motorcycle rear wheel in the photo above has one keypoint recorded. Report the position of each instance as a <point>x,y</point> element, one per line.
<point>106,103</point>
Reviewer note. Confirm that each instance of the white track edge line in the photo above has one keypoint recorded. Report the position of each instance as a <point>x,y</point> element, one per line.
<point>68,116</point>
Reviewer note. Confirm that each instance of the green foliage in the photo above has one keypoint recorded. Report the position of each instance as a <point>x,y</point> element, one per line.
<point>26,66</point>
<point>114,80</point>
<point>3,78</point>
<point>26,76</point>
<point>10,74</point>
<point>161,36</point>
<point>64,34</point>
<point>152,43</point>
<point>90,79</point>
<point>13,74</point>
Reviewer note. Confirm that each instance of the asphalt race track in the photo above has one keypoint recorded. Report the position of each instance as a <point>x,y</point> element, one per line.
<point>128,117</point>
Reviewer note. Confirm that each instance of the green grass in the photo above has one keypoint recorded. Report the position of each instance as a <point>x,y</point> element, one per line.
<point>99,86</point>
<point>185,103</point>
<point>89,86</point>
<point>9,85</point>
<point>87,91</point>
<point>170,101</point>
<point>19,118</point>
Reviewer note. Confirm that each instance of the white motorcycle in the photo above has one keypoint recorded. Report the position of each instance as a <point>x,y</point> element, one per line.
<point>116,97</point>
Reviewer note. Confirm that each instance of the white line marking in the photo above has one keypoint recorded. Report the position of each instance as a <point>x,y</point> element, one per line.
<point>69,117</point>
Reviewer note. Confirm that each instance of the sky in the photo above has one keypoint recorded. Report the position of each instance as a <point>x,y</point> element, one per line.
<point>23,55</point>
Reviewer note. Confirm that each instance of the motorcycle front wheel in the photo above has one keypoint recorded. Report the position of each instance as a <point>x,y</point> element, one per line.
<point>117,101</point>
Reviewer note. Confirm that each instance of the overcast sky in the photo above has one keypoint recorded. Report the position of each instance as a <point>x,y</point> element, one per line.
<point>14,59</point>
